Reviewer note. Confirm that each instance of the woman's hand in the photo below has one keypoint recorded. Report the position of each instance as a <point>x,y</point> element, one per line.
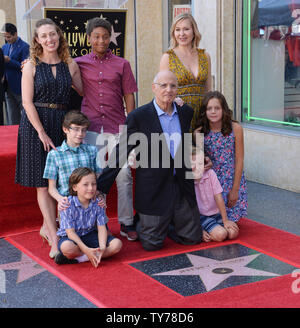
<point>179,101</point>
<point>231,225</point>
<point>63,204</point>
<point>24,62</point>
<point>46,141</point>
<point>233,196</point>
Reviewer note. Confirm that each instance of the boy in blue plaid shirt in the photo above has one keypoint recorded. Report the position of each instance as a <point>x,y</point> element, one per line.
<point>69,156</point>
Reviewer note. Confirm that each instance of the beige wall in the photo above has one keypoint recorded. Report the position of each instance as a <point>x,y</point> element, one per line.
<point>7,15</point>
<point>149,43</point>
<point>227,60</point>
<point>205,11</point>
<point>149,27</point>
<point>272,159</point>
<point>218,39</point>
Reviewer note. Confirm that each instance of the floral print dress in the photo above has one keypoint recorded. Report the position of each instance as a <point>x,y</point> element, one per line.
<point>221,150</point>
<point>190,89</point>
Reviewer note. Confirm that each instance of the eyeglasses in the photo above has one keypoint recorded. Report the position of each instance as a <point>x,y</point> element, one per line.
<point>83,130</point>
<point>165,85</point>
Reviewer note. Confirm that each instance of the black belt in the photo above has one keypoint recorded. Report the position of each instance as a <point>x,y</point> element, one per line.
<point>48,105</point>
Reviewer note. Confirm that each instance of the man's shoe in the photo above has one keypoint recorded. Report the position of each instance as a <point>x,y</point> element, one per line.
<point>61,259</point>
<point>129,232</point>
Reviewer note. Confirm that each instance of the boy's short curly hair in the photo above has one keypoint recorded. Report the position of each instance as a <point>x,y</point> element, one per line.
<point>75,117</point>
<point>98,22</point>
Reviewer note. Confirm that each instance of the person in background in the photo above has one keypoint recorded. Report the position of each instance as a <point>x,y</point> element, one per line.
<point>1,86</point>
<point>15,52</point>
<point>191,65</point>
<point>108,83</point>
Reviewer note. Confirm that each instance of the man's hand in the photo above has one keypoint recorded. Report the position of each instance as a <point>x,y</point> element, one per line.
<point>132,159</point>
<point>101,199</point>
<point>207,163</point>
<point>6,59</point>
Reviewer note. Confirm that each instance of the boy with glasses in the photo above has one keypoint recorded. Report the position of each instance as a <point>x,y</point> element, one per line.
<point>70,155</point>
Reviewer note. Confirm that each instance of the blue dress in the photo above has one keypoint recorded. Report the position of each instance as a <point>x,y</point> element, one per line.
<point>221,150</point>
<point>31,156</point>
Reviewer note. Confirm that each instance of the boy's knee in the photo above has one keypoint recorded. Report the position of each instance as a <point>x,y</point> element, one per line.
<point>232,234</point>
<point>219,234</point>
<point>69,249</point>
<point>116,245</point>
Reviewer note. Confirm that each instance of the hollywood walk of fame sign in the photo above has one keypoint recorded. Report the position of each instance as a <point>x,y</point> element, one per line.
<point>26,267</point>
<point>214,268</point>
<point>73,23</point>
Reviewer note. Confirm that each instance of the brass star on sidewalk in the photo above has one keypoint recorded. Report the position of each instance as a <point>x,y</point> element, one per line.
<point>213,272</point>
<point>26,266</point>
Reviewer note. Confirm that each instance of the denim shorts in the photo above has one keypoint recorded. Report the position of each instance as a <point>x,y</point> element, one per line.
<point>210,222</point>
<point>90,240</point>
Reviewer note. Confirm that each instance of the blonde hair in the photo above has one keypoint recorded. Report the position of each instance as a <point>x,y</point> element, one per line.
<point>197,35</point>
<point>36,49</point>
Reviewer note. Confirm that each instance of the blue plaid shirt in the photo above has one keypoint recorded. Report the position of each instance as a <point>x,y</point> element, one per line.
<point>82,220</point>
<point>61,163</point>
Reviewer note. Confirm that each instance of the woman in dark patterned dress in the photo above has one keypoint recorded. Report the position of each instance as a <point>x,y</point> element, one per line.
<point>47,79</point>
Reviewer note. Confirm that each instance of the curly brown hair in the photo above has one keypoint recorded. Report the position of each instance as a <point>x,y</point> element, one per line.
<point>227,119</point>
<point>36,49</point>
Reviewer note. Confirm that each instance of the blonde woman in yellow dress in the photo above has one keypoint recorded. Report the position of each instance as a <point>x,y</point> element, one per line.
<point>191,65</point>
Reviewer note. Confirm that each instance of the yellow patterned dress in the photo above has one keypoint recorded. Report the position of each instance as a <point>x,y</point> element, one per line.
<point>190,89</point>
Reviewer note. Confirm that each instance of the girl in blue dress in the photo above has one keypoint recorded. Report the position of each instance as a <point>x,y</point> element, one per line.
<point>224,145</point>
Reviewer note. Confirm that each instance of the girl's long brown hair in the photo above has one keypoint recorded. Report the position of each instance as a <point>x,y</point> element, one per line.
<point>226,117</point>
<point>36,49</point>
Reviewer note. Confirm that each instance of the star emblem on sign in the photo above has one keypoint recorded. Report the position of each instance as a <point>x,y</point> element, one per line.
<point>114,36</point>
<point>213,272</point>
